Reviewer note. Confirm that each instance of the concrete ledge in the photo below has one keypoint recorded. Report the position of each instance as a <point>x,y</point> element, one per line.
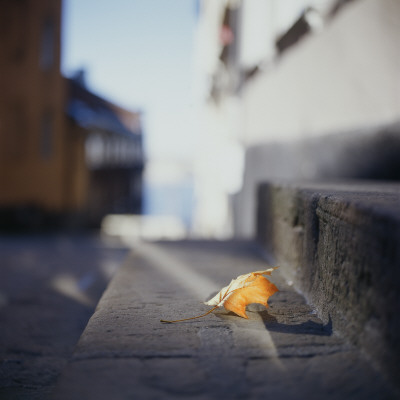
<point>339,243</point>
<point>283,352</point>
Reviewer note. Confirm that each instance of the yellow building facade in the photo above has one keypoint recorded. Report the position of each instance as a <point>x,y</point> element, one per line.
<point>32,160</point>
<point>64,152</point>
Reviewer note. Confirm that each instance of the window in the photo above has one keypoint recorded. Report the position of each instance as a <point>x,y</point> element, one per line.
<point>46,59</point>
<point>46,137</point>
<point>13,129</point>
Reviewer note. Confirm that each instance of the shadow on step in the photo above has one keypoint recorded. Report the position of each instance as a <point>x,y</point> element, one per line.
<point>305,328</point>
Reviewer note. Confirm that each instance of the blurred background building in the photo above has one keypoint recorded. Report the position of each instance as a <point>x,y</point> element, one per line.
<point>67,156</point>
<point>105,155</point>
<point>293,90</point>
<point>282,89</point>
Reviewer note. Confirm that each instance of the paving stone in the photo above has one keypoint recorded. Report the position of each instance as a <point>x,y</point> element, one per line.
<point>285,351</point>
<point>50,284</point>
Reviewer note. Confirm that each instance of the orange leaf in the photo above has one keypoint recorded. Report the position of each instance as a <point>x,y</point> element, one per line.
<point>244,290</point>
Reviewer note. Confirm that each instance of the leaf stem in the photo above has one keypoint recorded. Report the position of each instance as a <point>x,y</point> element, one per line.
<point>187,319</point>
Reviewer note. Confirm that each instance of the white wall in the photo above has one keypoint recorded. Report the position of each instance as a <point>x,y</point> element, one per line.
<point>346,76</point>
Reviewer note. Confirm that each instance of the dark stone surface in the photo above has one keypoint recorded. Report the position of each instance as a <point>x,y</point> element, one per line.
<point>49,287</point>
<point>283,352</point>
<point>339,244</point>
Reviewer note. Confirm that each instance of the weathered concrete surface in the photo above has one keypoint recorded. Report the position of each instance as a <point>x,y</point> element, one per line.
<point>285,352</point>
<point>340,245</point>
<point>49,287</point>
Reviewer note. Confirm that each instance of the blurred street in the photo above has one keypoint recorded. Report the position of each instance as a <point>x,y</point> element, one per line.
<point>49,287</point>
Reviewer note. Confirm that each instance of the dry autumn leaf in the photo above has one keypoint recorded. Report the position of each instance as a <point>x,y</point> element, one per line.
<point>242,291</point>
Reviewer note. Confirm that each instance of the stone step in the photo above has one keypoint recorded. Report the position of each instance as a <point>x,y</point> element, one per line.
<point>339,244</point>
<point>284,351</point>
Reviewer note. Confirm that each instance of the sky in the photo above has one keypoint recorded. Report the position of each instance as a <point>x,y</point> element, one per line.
<point>138,54</point>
